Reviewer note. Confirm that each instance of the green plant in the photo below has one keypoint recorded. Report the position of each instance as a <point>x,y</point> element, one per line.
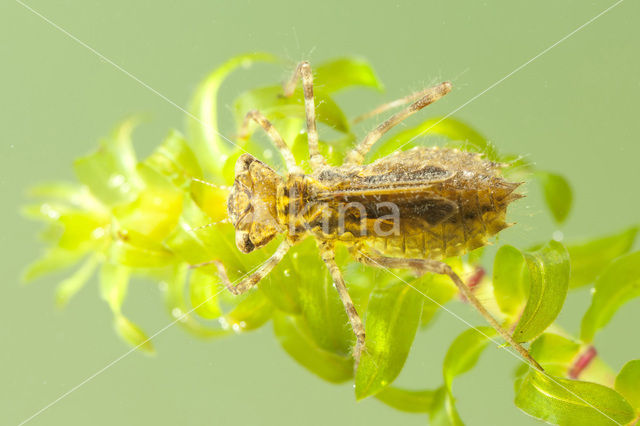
<point>156,217</point>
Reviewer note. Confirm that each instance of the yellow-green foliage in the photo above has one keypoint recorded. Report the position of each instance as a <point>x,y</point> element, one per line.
<point>154,218</point>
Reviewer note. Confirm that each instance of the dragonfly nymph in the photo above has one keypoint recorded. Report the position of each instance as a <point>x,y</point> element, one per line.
<point>411,209</point>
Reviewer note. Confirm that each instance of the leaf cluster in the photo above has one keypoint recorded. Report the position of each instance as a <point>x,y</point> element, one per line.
<point>157,218</point>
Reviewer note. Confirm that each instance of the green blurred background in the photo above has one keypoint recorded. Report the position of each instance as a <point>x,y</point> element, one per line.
<point>573,110</point>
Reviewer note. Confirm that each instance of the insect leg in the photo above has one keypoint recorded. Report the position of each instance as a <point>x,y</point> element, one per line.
<point>303,71</point>
<point>328,255</point>
<point>425,265</point>
<point>253,279</point>
<point>356,156</point>
<point>390,105</point>
<point>273,134</point>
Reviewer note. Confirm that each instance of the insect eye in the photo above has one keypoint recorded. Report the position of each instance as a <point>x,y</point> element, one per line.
<point>238,203</point>
<point>243,242</point>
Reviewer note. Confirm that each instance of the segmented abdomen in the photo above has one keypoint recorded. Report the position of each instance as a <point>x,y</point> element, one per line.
<point>480,214</point>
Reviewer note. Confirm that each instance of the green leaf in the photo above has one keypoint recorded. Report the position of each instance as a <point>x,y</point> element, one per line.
<point>320,305</point>
<point>71,194</point>
<point>557,194</point>
<point>132,249</point>
<point>619,283</point>
<point>70,286</point>
<point>174,289</point>
<point>114,281</point>
<point>132,334</point>
<point>464,352</point>
<point>411,401</point>
<point>345,72</point>
<point>53,260</point>
<point>549,277</point>
<point>202,123</point>
<point>392,318</point>
<point>571,402</point>
<point>296,341</point>
<point>439,289</point>
<point>628,383</point>
<point>81,230</point>
<point>211,199</point>
<point>450,128</point>
<point>443,411</point>
<point>195,240</point>
<point>511,280</point>
<point>462,356</point>
<point>555,353</point>
<point>270,102</point>
<point>156,211</point>
<point>175,160</point>
<point>110,172</point>
<point>588,259</point>
<point>203,291</point>
<point>251,313</point>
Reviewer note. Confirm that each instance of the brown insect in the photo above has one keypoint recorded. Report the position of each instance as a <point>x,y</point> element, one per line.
<point>408,210</point>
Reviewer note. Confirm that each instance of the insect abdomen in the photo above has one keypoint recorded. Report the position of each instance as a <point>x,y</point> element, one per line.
<point>480,215</point>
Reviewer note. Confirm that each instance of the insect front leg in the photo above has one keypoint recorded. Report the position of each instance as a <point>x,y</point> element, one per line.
<point>356,156</point>
<point>274,135</point>
<point>251,280</point>
<point>328,255</point>
<point>425,265</point>
<point>303,71</point>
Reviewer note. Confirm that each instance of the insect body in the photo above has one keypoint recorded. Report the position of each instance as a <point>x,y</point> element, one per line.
<point>408,210</point>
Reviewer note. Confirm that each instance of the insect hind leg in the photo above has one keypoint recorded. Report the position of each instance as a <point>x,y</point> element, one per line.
<point>429,96</point>
<point>423,266</point>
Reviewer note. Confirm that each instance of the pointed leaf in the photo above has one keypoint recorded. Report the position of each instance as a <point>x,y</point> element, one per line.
<point>345,72</point>
<point>443,411</point>
<point>439,289</point>
<point>174,289</point>
<point>571,402</point>
<point>70,286</point>
<point>203,291</point>
<point>549,277</point>
<point>211,199</point>
<point>81,230</point>
<point>555,353</point>
<point>411,401</point>
<point>132,249</point>
<point>294,338</point>
<point>450,128</point>
<point>589,259</point>
<point>114,281</point>
<point>511,280</point>
<point>156,211</point>
<point>175,160</point>
<point>619,283</point>
<point>53,260</point>
<point>628,383</point>
<point>391,321</point>
<point>132,334</point>
<point>557,194</point>
<point>110,172</point>
<point>320,305</point>
<point>464,352</point>
<point>210,148</point>
<point>251,313</point>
